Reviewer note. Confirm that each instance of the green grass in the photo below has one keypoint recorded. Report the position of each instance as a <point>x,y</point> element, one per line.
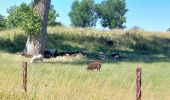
<point>63,38</point>
<point>116,81</point>
<point>65,79</point>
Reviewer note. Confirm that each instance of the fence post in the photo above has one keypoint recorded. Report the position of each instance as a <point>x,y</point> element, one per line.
<point>138,83</point>
<point>24,74</point>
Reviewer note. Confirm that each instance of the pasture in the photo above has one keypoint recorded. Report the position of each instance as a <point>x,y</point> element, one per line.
<point>115,81</point>
<point>68,79</point>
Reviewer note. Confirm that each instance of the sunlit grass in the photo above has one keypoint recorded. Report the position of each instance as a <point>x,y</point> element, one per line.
<point>66,78</point>
<point>116,81</point>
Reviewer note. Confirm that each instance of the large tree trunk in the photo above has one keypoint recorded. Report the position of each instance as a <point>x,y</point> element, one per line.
<point>36,45</point>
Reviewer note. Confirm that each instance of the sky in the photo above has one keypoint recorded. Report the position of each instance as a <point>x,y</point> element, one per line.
<point>150,15</point>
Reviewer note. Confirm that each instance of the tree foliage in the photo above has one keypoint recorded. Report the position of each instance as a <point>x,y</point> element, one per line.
<point>112,13</point>
<point>2,22</point>
<point>52,17</point>
<point>136,28</point>
<point>24,17</point>
<point>82,13</point>
<point>14,20</point>
<point>168,30</point>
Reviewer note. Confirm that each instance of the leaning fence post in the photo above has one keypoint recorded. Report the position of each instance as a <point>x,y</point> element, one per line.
<point>138,83</point>
<point>24,75</point>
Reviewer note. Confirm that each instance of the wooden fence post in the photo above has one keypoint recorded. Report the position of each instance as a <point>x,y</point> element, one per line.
<point>138,83</point>
<point>24,74</point>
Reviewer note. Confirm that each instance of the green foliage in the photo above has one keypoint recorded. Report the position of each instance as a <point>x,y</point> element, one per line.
<point>82,13</point>
<point>14,18</point>
<point>30,21</point>
<point>112,13</point>
<point>2,22</point>
<point>24,17</point>
<point>11,9</point>
<point>168,30</point>
<point>52,17</point>
<point>136,28</point>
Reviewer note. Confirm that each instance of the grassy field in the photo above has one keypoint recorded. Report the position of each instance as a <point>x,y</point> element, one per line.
<point>116,81</point>
<point>69,80</point>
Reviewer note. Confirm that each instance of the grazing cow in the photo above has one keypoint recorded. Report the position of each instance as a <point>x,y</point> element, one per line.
<point>94,65</point>
<point>36,58</point>
<point>26,55</point>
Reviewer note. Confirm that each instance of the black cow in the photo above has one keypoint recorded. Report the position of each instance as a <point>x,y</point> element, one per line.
<point>47,54</point>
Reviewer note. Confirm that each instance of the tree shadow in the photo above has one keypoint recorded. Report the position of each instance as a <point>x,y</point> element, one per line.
<point>146,50</point>
<point>12,45</point>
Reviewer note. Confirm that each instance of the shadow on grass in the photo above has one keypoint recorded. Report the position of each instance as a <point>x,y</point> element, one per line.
<point>17,43</point>
<point>144,50</point>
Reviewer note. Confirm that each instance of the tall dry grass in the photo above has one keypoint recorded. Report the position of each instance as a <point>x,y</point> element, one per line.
<point>67,79</point>
<point>58,81</point>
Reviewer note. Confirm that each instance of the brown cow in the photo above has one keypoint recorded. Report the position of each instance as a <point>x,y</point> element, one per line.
<point>94,65</point>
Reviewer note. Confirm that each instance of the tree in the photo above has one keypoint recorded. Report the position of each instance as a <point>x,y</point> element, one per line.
<point>136,28</point>
<point>112,13</point>
<point>168,30</point>
<point>17,15</point>
<point>36,41</point>
<point>2,22</point>
<point>82,13</point>
<point>12,19</point>
<point>14,12</point>
<point>52,17</point>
